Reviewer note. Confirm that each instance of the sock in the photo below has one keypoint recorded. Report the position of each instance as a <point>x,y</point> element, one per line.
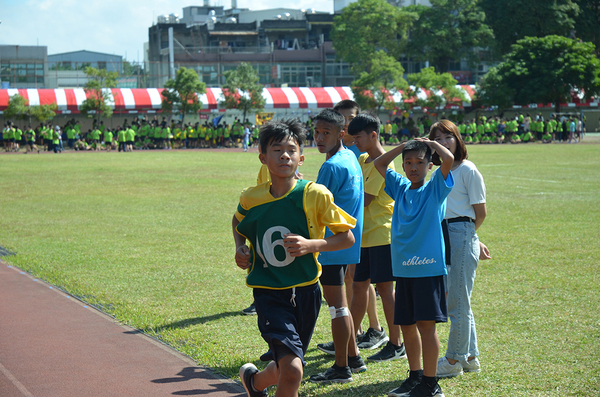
<point>430,381</point>
<point>417,375</point>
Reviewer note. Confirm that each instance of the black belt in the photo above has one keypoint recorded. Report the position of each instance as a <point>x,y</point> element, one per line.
<point>460,219</point>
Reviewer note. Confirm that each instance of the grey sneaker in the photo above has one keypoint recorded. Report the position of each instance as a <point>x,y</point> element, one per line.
<point>356,364</point>
<point>447,370</point>
<point>471,366</point>
<point>247,372</point>
<point>328,348</point>
<point>250,310</point>
<point>389,352</point>
<point>372,339</point>
<point>334,374</point>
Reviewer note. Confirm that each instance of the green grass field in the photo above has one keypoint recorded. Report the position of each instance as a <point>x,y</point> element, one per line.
<point>146,236</point>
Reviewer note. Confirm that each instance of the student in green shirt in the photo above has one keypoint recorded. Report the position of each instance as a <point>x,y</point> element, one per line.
<point>30,140</point>
<point>121,139</point>
<point>108,138</point>
<point>129,138</point>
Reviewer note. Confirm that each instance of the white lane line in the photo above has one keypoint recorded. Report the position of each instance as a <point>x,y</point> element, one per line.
<point>15,381</point>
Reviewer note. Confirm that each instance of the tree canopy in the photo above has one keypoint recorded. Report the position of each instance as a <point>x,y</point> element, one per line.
<point>441,87</point>
<point>448,30</point>
<point>543,70</point>
<point>181,94</point>
<point>98,99</point>
<point>242,90</point>
<point>374,88</point>
<point>512,20</point>
<point>19,109</point>
<point>367,26</point>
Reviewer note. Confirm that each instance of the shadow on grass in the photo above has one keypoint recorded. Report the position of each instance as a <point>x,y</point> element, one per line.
<point>196,321</point>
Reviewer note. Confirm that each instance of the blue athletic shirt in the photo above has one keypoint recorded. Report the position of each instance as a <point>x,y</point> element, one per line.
<point>341,174</point>
<point>417,240</point>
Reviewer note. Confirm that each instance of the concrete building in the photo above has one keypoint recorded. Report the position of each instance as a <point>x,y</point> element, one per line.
<point>23,66</point>
<point>67,70</point>
<point>288,47</point>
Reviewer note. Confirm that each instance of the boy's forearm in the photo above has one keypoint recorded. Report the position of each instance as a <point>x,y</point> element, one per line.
<point>336,242</point>
<point>238,238</point>
<point>381,163</point>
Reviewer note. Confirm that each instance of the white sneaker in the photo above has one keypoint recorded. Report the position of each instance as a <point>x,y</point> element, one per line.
<point>447,370</point>
<point>471,366</point>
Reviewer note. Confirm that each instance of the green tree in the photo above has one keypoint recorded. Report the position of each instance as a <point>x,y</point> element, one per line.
<point>97,97</point>
<point>17,109</point>
<point>543,70</point>
<point>441,87</point>
<point>44,113</point>
<point>375,87</point>
<point>181,94</point>
<point>242,90</point>
<point>512,20</point>
<point>367,26</point>
<point>587,23</point>
<point>448,30</point>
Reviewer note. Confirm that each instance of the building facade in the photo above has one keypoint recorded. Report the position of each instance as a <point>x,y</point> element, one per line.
<point>23,66</point>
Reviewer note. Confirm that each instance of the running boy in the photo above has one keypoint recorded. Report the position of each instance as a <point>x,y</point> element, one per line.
<point>282,257</point>
<point>418,256</point>
<point>342,176</point>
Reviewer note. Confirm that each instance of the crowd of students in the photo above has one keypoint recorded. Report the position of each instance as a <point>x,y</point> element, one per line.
<point>143,134</point>
<point>361,223</point>
<point>140,134</point>
<point>495,129</point>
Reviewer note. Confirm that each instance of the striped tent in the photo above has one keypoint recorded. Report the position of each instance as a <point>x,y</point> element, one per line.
<point>148,100</point>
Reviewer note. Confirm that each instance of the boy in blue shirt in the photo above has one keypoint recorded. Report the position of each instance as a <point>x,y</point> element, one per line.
<point>418,256</point>
<point>284,220</point>
<point>342,176</point>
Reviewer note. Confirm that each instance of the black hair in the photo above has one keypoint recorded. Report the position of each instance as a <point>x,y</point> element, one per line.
<point>417,146</point>
<point>331,116</point>
<point>347,104</point>
<point>367,122</point>
<point>276,131</point>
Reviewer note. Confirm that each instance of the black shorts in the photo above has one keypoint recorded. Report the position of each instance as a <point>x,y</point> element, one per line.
<point>420,299</point>
<point>375,264</point>
<point>333,274</point>
<point>280,321</point>
<point>129,142</point>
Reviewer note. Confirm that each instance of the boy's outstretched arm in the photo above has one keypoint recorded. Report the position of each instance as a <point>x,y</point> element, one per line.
<point>298,245</point>
<point>445,155</point>
<point>242,252</point>
<point>381,163</point>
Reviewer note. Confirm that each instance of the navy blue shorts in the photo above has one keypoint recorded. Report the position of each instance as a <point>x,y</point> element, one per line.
<point>420,299</point>
<point>375,264</point>
<point>333,274</point>
<point>280,321</point>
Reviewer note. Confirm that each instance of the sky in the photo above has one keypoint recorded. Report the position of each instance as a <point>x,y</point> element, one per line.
<point>118,27</point>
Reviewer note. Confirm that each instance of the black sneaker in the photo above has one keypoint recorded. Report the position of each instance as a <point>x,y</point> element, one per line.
<point>356,364</point>
<point>334,374</point>
<point>250,310</point>
<point>328,348</point>
<point>247,372</point>
<point>389,352</point>
<point>422,390</point>
<point>372,339</point>
<point>406,386</point>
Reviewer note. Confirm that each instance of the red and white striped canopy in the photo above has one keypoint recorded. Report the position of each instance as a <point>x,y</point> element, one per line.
<point>148,100</point>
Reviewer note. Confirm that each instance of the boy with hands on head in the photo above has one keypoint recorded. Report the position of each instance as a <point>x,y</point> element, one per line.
<point>418,256</point>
